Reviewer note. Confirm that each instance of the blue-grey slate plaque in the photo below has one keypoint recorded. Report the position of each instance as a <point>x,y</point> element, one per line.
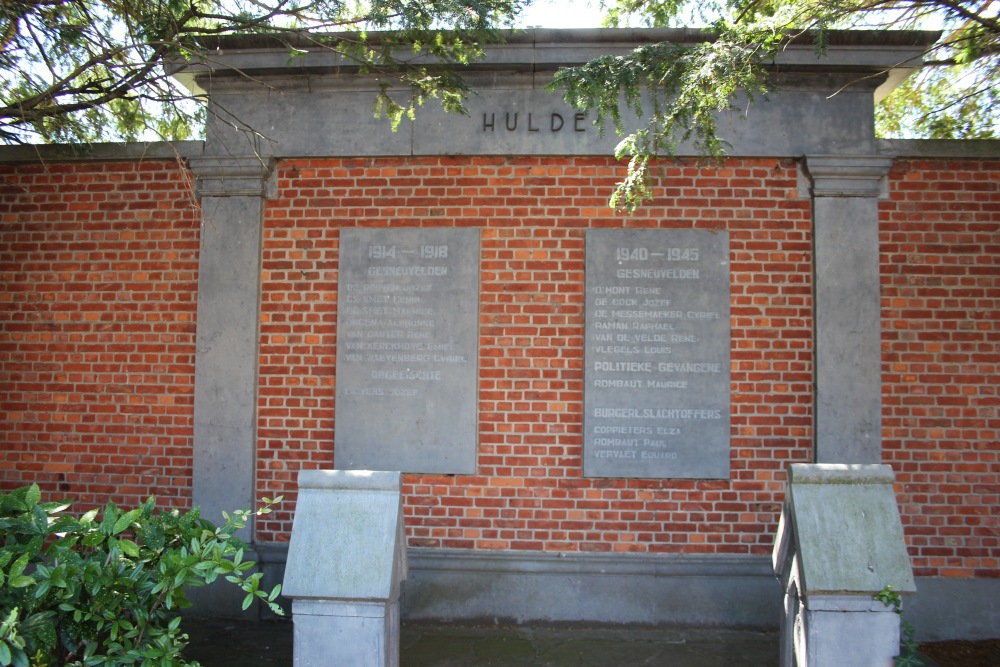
<point>407,350</point>
<point>656,393</point>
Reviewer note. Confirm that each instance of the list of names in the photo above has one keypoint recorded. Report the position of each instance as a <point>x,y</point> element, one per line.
<point>656,395</point>
<point>407,350</point>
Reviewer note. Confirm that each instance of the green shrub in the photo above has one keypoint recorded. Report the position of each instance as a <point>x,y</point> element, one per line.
<point>105,589</point>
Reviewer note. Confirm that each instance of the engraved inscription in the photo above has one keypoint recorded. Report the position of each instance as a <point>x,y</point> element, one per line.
<point>407,350</point>
<point>532,121</point>
<point>657,354</point>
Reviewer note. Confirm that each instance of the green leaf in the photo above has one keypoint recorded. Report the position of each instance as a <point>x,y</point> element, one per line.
<point>93,539</point>
<point>109,519</point>
<point>129,548</point>
<point>125,520</point>
<point>39,520</point>
<point>17,569</point>
<point>33,495</point>
<point>56,507</point>
<point>21,582</point>
<point>5,656</point>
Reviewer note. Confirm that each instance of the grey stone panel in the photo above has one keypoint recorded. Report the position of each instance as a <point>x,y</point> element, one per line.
<point>225,600</point>
<point>954,608</point>
<point>271,559</point>
<point>521,587</point>
<point>330,122</point>
<point>464,585</point>
<point>408,350</point>
<point>303,123</point>
<point>511,121</point>
<point>656,379</point>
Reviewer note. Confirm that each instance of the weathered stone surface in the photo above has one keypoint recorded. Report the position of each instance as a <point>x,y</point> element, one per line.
<point>346,536</point>
<point>839,543</point>
<point>656,380</point>
<point>346,560</point>
<point>841,528</point>
<point>408,350</point>
<point>848,405</point>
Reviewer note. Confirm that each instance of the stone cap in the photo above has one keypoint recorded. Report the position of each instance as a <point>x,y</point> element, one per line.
<point>347,537</point>
<point>840,532</point>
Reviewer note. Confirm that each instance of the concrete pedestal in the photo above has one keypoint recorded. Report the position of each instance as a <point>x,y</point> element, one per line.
<point>346,561</point>
<point>839,543</point>
<point>336,632</point>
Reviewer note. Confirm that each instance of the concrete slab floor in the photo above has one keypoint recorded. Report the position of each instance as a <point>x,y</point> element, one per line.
<point>231,643</point>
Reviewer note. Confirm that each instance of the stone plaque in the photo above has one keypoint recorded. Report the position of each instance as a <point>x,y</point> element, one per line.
<point>656,396</point>
<point>408,350</point>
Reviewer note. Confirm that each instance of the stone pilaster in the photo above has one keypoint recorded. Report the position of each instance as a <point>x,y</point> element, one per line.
<point>846,307</point>
<point>232,192</point>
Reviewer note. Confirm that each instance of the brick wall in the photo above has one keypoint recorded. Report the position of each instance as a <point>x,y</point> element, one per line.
<point>97,320</point>
<point>529,492</point>
<point>99,267</point>
<point>940,236</point>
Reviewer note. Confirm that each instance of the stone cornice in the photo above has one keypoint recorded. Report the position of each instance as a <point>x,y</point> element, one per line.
<point>260,57</point>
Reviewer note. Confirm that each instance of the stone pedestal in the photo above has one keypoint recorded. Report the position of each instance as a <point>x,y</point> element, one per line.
<point>839,543</point>
<point>346,561</point>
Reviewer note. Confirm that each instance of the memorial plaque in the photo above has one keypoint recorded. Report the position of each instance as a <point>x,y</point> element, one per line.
<point>408,350</point>
<point>656,396</point>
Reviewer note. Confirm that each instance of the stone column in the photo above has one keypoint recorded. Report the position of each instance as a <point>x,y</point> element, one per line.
<point>846,307</point>
<point>232,192</point>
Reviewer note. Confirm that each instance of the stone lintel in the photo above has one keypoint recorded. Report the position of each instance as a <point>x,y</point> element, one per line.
<point>847,176</point>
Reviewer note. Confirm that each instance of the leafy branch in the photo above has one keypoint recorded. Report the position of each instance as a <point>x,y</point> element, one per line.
<point>84,70</point>
<point>105,589</point>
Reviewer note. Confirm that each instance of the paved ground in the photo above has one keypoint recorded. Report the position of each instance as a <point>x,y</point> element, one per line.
<point>561,647</point>
<point>226,643</point>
